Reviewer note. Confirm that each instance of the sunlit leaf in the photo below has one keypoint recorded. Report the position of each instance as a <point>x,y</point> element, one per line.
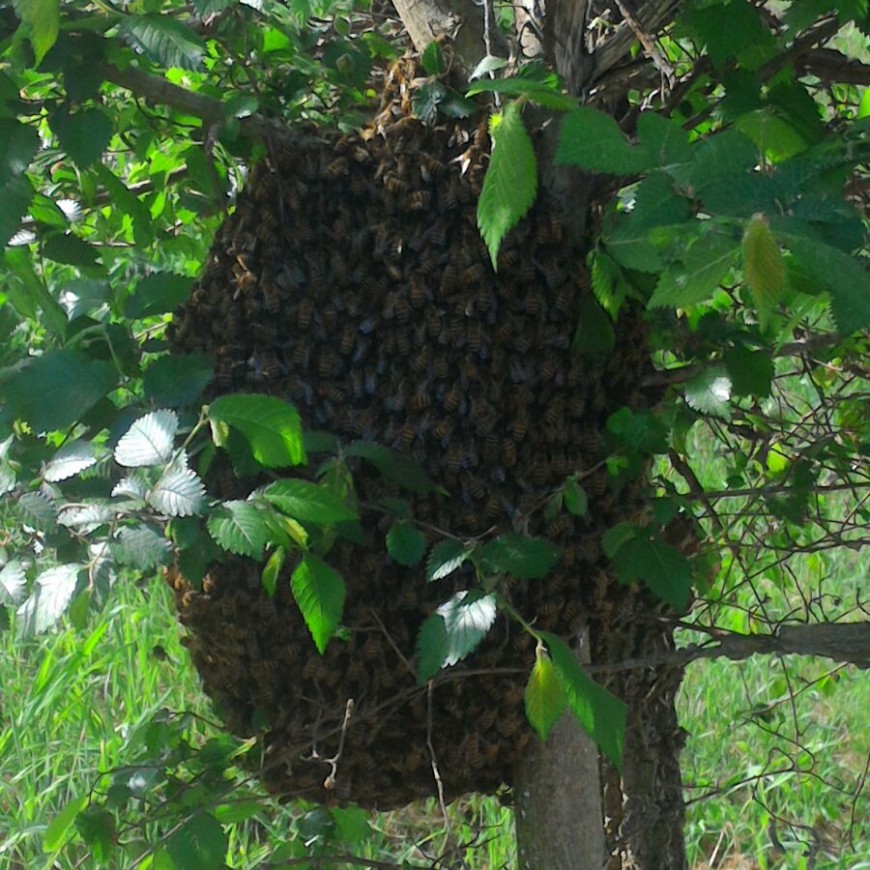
<point>178,493</point>
<point>446,557</point>
<point>73,458</point>
<point>710,392</point>
<point>591,139</point>
<point>163,39</point>
<point>51,595</point>
<point>544,697</point>
<point>141,547</point>
<point>41,19</point>
<point>763,266</point>
<point>511,180</point>
<point>468,617</point>
<point>149,441</point>
<point>241,528</point>
<point>320,592</point>
<point>309,502</point>
<point>13,583</point>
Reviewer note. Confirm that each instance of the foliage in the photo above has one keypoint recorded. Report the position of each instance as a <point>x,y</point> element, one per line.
<point>729,225</point>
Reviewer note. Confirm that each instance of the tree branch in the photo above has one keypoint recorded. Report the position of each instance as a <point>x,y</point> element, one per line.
<point>210,111</point>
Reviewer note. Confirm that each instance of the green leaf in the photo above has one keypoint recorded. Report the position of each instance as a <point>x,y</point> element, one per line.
<point>270,425</point>
<point>351,824</point>
<point>601,715</point>
<point>58,388</point>
<point>845,278</point>
<point>84,135</point>
<point>72,459</point>
<point>60,829</point>
<point>163,39</point>
<point>446,557</point>
<point>394,466</point>
<point>594,336</point>
<point>732,30</point>
<point>763,267</point>
<point>52,593</point>
<point>176,381</point>
<point>657,203</point>
<point>241,528</point>
<point>576,499</point>
<point>70,249</point>
<point>709,392</point>
<point>309,502</point>
<point>319,591</point>
<point>544,697</point>
<point>86,517</point>
<point>511,181</point>
<point>468,617</point>
<point>592,140</point>
<point>96,827</point>
<point>199,844</point>
<point>13,583</point>
<point>178,493</point>
<point>271,571</point>
<point>643,559</point>
<point>149,441</point>
<point>432,647</point>
<point>433,60</point>
<point>157,293</point>
<point>490,63</point>
<point>701,271</point>
<point>750,371</point>
<point>37,510</point>
<point>18,146</point>
<point>664,140</point>
<point>608,282</point>
<point>41,20</point>
<point>405,543</point>
<point>15,198</point>
<point>519,556</point>
<point>141,547</point>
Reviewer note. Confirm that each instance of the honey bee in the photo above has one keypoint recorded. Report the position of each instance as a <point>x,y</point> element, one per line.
<point>447,196</point>
<point>519,428</point>
<point>304,313</point>
<point>420,200</point>
<point>443,429</point>
<point>509,453</point>
<point>420,361</point>
<point>271,297</point>
<point>301,356</point>
<point>430,167</point>
<point>338,167</point>
<point>441,367</point>
<point>564,295</point>
<point>421,400</point>
<point>549,369</point>
<point>393,183</point>
<point>474,485</point>
<point>474,336</point>
<point>439,233</point>
<point>406,436</point>
<point>328,365</point>
<point>451,400</point>
<point>333,393</point>
<point>534,302</point>
<point>347,340</point>
<point>311,670</point>
<point>416,292</point>
<point>403,342</point>
<point>472,274</point>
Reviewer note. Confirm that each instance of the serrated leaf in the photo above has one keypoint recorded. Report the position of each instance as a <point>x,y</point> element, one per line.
<point>271,570</point>
<point>468,617</point>
<point>37,510</point>
<point>710,392</point>
<point>591,139</point>
<point>544,697</point>
<point>309,502</point>
<point>157,293</point>
<point>178,493</point>
<point>432,647</point>
<point>521,557</point>
<point>657,565</point>
<point>446,557</point>
<point>534,91</point>
<point>320,592</point>
<point>13,583</point>
<point>177,381</point>
<point>84,135</point>
<point>85,517</point>
<point>241,528</point>
<point>405,543</point>
<point>490,63</point>
<point>271,427</point>
<point>664,140</point>
<point>140,547</point>
<point>394,466</point>
<point>52,593</point>
<point>433,59</point>
<point>576,499</point>
<point>763,266</point>
<point>149,441</point>
<point>41,19</point>
<point>57,389</point>
<point>699,273</point>
<point>130,487</point>
<point>511,180</point>
<point>608,283</point>
<point>750,371</point>
<point>199,844</point>
<point>163,39</point>
<point>18,146</point>
<point>73,458</point>
<point>617,537</point>
<point>96,827</point>
<point>601,715</point>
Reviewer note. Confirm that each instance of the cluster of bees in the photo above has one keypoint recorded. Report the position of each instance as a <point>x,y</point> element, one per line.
<point>352,281</point>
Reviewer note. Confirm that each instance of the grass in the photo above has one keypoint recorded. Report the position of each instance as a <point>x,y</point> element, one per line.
<point>782,773</point>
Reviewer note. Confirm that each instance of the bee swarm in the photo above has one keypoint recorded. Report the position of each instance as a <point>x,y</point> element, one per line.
<point>353,282</point>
